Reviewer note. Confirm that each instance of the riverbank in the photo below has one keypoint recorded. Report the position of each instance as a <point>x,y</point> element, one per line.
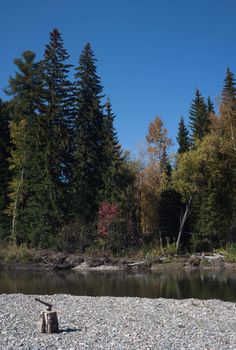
<point>118,323</point>
<point>22,258</point>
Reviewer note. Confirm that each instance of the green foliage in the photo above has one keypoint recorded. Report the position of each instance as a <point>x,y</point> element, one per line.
<point>114,181</point>
<point>60,159</point>
<point>210,106</point>
<point>76,237</point>
<point>205,174</point>
<point>4,168</point>
<point>88,157</point>
<point>199,117</point>
<point>229,89</point>
<point>183,137</point>
<point>58,120</point>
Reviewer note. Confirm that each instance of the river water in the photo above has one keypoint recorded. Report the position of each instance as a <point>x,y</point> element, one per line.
<point>167,284</point>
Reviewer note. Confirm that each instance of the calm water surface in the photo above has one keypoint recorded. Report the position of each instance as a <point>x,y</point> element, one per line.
<point>172,284</point>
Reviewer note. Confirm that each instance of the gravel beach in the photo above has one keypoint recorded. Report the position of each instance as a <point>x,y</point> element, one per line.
<point>118,323</point>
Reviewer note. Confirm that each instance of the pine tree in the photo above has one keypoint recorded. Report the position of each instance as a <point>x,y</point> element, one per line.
<point>199,117</point>
<point>88,162</point>
<point>183,137</point>
<point>4,167</point>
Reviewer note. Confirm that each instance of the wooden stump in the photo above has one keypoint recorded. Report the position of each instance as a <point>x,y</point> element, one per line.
<point>49,322</point>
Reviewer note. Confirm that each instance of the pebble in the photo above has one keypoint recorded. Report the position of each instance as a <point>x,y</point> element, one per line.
<point>118,323</point>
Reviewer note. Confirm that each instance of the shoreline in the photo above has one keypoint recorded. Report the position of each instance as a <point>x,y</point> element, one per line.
<point>48,260</point>
<point>118,323</point>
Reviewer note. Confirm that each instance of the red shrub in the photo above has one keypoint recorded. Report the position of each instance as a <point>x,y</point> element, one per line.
<point>107,213</point>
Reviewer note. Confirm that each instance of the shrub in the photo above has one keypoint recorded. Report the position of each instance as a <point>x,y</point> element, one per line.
<point>76,236</point>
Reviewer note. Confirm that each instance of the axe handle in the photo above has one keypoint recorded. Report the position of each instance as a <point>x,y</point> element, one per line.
<point>44,303</point>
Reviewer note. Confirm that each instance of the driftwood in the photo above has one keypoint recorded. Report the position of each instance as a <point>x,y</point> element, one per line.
<point>141,265</point>
<point>213,257</point>
<point>63,267</point>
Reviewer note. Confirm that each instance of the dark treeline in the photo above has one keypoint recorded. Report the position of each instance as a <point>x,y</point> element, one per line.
<point>65,182</point>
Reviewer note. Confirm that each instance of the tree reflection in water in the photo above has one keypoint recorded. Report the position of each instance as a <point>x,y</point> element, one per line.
<point>167,284</point>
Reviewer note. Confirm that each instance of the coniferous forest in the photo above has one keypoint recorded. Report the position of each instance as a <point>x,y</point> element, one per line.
<point>67,184</point>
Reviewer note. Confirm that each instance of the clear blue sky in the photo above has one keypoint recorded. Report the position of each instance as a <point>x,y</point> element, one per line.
<point>152,54</point>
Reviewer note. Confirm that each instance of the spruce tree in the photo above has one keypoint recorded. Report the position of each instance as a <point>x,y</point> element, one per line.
<point>4,167</point>
<point>89,138</point>
<point>213,205</point>
<point>229,89</point>
<point>183,137</point>
<point>112,175</point>
<point>228,108</point>
<point>199,117</point>
<point>210,106</point>
<point>59,110</point>
<point>32,194</point>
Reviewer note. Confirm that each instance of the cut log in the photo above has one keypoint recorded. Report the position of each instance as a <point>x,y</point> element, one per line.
<point>48,322</point>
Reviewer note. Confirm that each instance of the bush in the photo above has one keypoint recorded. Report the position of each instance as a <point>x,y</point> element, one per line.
<point>76,237</point>
<point>17,253</point>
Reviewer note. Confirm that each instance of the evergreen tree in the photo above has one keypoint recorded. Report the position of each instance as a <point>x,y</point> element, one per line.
<point>229,89</point>
<point>112,143</point>
<point>212,209</point>
<point>4,167</point>
<point>210,106</point>
<point>199,117</point>
<point>32,194</point>
<point>88,162</point>
<point>113,175</point>
<point>228,109</point>
<point>183,137</point>
<point>59,110</point>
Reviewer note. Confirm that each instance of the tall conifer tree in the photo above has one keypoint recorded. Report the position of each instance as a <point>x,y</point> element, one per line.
<point>4,167</point>
<point>32,202</point>
<point>210,106</point>
<point>25,188</point>
<point>88,163</point>
<point>112,176</point>
<point>199,117</point>
<point>59,110</point>
<point>183,137</point>
<point>229,89</point>
<point>228,108</point>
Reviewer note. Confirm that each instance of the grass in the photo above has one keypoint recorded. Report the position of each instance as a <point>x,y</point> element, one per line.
<point>10,253</point>
<point>229,253</point>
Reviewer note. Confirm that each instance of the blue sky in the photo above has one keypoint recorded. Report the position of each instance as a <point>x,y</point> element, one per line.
<point>152,54</point>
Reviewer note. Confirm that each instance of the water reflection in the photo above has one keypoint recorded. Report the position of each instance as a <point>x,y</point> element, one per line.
<point>167,284</point>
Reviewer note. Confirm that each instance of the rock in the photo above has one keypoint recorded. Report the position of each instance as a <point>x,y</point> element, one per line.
<point>119,323</point>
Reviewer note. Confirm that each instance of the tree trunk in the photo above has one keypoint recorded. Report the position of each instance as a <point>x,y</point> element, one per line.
<point>48,322</point>
<point>15,208</point>
<point>182,222</point>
